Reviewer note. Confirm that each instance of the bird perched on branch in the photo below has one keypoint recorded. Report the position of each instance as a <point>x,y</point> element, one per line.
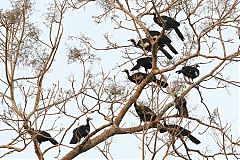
<point>145,62</point>
<point>162,41</point>
<point>42,136</point>
<point>138,77</point>
<point>178,131</point>
<point>189,71</point>
<point>144,112</point>
<point>143,44</point>
<point>80,132</point>
<point>181,106</point>
<point>168,23</point>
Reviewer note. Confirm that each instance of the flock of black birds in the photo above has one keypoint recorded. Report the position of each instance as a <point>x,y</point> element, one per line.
<point>191,72</point>
<point>145,113</point>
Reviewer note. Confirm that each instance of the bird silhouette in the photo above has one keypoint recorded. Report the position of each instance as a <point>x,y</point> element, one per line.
<point>146,46</point>
<point>80,132</point>
<point>138,77</point>
<point>178,131</point>
<point>181,106</point>
<point>145,62</point>
<point>143,44</point>
<point>189,71</point>
<point>42,136</point>
<point>162,41</point>
<point>168,23</point>
<point>145,113</point>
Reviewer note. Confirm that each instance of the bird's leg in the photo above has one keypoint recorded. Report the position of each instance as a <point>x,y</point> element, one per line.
<point>146,71</point>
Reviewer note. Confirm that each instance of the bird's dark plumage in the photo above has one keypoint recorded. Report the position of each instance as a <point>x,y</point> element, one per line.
<point>189,71</point>
<point>168,23</point>
<point>145,62</point>
<point>178,131</point>
<point>181,106</point>
<point>162,41</point>
<point>43,136</point>
<point>139,77</point>
<point>145,45</point>
<point>80,132</point>
<point>145,113</point>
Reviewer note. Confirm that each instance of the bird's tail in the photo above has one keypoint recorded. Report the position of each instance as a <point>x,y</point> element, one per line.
<point>166,53</point>
<point>135,68</point>
<point>179,33</point>
<point>53,141</point>
<point>194,139</point>
<point>172,48</point>
<point>162,83</point>
<point>74,140</point>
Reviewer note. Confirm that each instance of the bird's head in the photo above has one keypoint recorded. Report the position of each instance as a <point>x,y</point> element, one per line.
<point>89,118</point>
<point>196,65</point>
<point>125,70</point>
<point>133,41</point>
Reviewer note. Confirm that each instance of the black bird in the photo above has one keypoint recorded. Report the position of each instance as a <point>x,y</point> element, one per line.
<point>189,71</point>
<point>169,23</point>
<point>139,77</point>
<point>144,112</point>
<point>42,136</point>
<point>162,41</point>
<point>81,131</point>
<point>178,131</point>
<point>145,44</point>
<point>181,106</point>
<point>145,62</point>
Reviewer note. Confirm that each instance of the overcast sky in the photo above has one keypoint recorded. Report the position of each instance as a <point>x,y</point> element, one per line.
<point>127,146</point>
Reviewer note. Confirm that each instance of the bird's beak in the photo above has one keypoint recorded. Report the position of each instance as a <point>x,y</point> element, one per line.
<point>89,118</point>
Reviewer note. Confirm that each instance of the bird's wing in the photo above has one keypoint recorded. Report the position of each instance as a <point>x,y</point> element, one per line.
<point>170,21</point>
<point>139,76</point>
<point>135,67</point>
<point>45,134</point>
<point>78,129</point>
<point>181,105</point>
<point>147,109</point>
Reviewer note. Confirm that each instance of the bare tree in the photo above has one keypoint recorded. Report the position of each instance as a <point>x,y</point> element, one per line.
<point>34,99</point>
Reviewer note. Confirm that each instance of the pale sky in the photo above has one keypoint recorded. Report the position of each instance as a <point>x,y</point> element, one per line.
<point>127,146</point>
